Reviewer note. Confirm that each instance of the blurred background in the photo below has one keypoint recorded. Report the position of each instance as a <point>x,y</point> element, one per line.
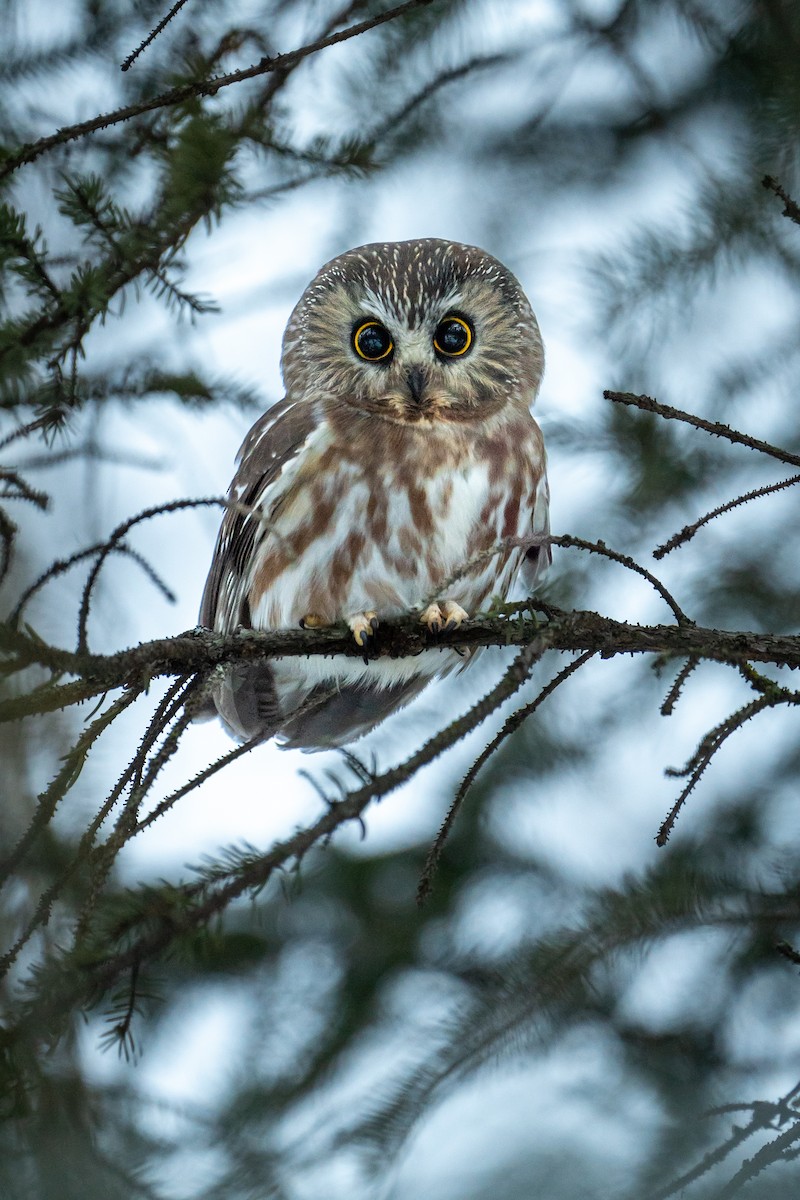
<point>575,1012</point>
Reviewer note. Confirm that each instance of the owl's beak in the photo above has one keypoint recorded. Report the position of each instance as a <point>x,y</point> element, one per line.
<point>416,380</point>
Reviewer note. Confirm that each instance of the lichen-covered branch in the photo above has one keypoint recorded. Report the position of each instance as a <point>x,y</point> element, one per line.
<point>201,650</point>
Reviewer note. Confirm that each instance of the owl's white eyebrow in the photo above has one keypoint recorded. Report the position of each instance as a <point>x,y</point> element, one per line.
<point>392,305</point>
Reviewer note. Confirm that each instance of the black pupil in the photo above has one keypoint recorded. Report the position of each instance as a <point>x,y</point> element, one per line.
<point>374,341</point>
<point>451,336</point>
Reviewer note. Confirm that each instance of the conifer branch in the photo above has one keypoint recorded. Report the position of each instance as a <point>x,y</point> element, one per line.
<point>647,404</point>
<point>792,208</point>
<point>511,725</point>
<point>31,151</point>
<point>687,533</point>
<point>152,35</point>
<point>200,650</point>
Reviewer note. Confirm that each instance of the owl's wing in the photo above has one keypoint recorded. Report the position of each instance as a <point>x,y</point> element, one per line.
<point>538,559</point>
<point>274,441</point>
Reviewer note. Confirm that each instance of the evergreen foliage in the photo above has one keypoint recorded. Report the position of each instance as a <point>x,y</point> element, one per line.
<point>663,982</point>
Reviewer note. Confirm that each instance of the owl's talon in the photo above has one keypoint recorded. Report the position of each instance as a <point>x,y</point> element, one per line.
<point>363,626</point>
<point>432,617</point>
<point>454,615</point>
<point>444,617</point>
<point>312,621</point>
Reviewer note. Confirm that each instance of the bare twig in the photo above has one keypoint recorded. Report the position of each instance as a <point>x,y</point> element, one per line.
<point>252,876</point>
<point>788,952</point>
<point>687,533</point>
<point>63,564</point>
<point>759,1120</point>
<point>24,431</point>
<point>104,857</point>
<point>773,1152</point>
<point>513,723</point>
<point>673,695</point>
<point>116,537</point>
<point>646,404</point>
<point>702,756</point>
<point>46,806</point>
<point>151,37</point>
<point>792,208</point>
<point>29,152</point>
<point>195,782</point>
<point>626,561</point>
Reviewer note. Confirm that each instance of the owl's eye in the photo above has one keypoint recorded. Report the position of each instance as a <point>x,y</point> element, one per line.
<point>372,341</point>
<point>453,337</point>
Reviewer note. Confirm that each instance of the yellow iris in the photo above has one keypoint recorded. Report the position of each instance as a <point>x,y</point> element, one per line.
<point>372,341</point>
<point>453,337</point>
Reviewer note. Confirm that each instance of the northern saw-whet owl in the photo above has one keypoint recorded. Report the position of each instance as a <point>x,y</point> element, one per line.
<point>403,453</point>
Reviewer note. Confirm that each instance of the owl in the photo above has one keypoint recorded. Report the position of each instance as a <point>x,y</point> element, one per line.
<point>402,457</point>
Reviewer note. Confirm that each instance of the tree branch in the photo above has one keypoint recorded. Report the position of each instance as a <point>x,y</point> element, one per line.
<point>647,404</point>
<point>30,151</point>
<point>202,650</point>
<point>152,35</point>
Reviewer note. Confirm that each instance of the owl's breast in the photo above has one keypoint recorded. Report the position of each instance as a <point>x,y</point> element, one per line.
<point>390,529</point>
<point>393,526</point>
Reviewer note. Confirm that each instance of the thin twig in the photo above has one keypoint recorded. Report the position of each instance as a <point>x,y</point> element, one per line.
<point>25,430</point>
<point>513,723</point>
<point>140,785</point>
<point>701,758</point>
<point>116,538</point>
<point>218,764</point>
<point>792,209</point>
<point>24,491</point>
<point>31,151</point>
<point>646,404</point>
<point>46,806</point>
<point>42,913</point>
<point>710,1160</point>
<point>688,531</point>
<point>63,564</point>
<point>254,874</point>
<point>151,37</point>
<point>674,692</point>
<point>788,952</point>
<point>50,697</point>
<point>631,564</point>
<point>772,1152</point>
<point>120,1031</point>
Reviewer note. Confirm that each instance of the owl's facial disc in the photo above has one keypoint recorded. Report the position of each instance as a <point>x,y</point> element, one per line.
<point>415,332</point>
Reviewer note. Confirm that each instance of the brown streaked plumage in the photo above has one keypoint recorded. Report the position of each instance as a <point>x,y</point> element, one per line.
<point>403,453</point>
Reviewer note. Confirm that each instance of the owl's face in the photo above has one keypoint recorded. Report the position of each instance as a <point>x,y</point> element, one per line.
<point>415,332</point>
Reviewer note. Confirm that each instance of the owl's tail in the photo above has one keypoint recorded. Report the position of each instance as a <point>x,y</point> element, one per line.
<point>246,702</point>
<point>330,714</point>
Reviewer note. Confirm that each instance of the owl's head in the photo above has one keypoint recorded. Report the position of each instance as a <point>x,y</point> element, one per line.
<point>415,331</point>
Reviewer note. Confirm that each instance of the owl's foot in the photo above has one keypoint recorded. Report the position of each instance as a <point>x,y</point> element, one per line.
<point>312,621</point>
<point>443,617</point>
<point>363,626</point>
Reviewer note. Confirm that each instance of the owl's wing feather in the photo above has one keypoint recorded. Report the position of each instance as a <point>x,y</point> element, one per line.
<point>273,442</point>
<point>537,560</point>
